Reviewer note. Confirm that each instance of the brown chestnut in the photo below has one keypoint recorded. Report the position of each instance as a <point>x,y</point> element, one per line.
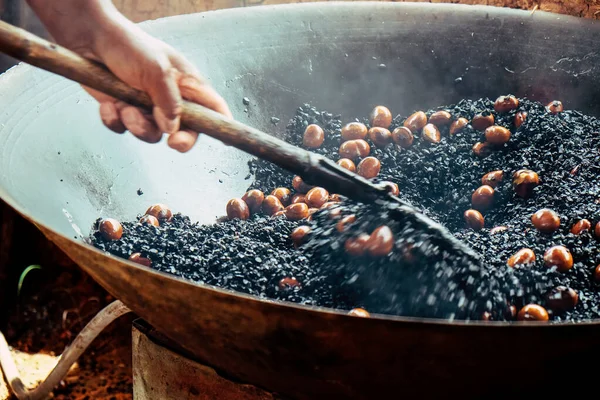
<point>483,197</point>
<point>311,211</point>
<point>533,312</point>
<point>597,230</point>
<point>561,299</point>
<point>341,225</point>
<point>524,181</point>
<point>316,197</point>
<point>481,149</point>
<point>347,164</point>
<point>458,125</point>
<point>497,135</point>
<point>545,220</point>
<point>498,229</point>
<point>492,178</point>
<point>160,211</point>
<point>271,205</point>
<point>288,283</point>
<point>440,118</point>
<point>356,246</point>
<point>298,198</point>
<point>403,137</point>
<point>150,220</point>
<point>369,167</point>
<point>299,185</point>
<point>299,234</point>
<point>520,118</point>
<point>431,134</point>
<point>284,195</point>
<point>334,198</point>
<point>482,121</point>
<point>110,229</point>
<point>559,257</point>
<point>521,257</point>
<point>506,103</point>
<point>137,258</point>
<point>296,212</point>
<point>254,199</point>
<point>381,242</point>
<point>314,136</point>
<point>354,149</point>
<point>237,208</point>
<point>354,130</point>
<point>474,219</point>
<point>596,274</point>
<point>380,137</point>
<point>280,213</point>
<point>391,187</point>
<point>416,121</point>
<point>580,226</point>
<point>381,117</point>
<point>555,107</point>
<point>359,312</point>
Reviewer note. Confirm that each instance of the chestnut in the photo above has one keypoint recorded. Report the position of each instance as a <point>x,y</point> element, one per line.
<point>284,195</point>
<point>506,103</point>
<point>520,118</point>
<point>254,199</point>
<point>237,208</point>
<point>559,257</point>
<point>380,117</point>
<point>474,219</point>
<point>521,257</point>
<point>359,312</point>
<point>524,181</point>
<point>416,121</point>
<point>403,137</point>
<point>561,299</point>
<point>483,197</point>
<point>354,149</point>
<point>356,246</point>
<point>440,118</point>
<point>150,220</point>
<point>498,229</point>
<point>482,121</point>
<point>299,185</point>
<point>380,137</point>
<point>391,187</point>
<point>316,197</point>
<point>533,312</point>
<point>369,167</point>
<point>296,212</point>
<point>347,164</point>
<point>288,283</point>
<point>110,229</point>
<point>341,225</point>
<point>497,135</point>
<point>580,226</point>
<point>311,211</point>
<point>431,134</point>
<point>545,220</point>
<point>137,258</point>
<point>280,213</point>
<point>492,178</point>
<point>160,212</point>
<point>458,125</point>
<point>299,234</point>
<point>596,274</point>
<point>334,198</point>
<point>354,130</point>
<point>481,149</point>
<point>298,198</point>
<point>271,205</point>
<point>381,242</point>
<point>597,230</point>
<point>555,107</point>
<point>314,136</point>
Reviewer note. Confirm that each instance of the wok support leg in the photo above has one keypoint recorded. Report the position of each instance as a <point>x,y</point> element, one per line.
<point>87,335</point>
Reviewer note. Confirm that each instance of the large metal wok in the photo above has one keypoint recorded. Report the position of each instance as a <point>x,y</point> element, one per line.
<point>61,169</point>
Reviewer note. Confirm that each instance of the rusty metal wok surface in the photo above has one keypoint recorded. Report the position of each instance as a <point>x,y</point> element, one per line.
<point>62,169</point>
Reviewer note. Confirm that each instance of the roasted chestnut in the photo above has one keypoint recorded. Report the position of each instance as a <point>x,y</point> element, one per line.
<point>482,121</point>
<point>392,187</point>
<point>381,117</point>
<point>497,135</point>
<point>521,257</point>
<point>160,212</point>
<point>356,246</point>
<point>474,219</point>
<point>481,149</point>
<point>354,130</point>
<point>416,121</point>
<point>596,274</point>
<point>533,312</point>
<point>520,118</point>
<point>403,137</point>
<point>347,164</point>
<point>354,149</point>
<point>555,107</point>
<point>313,136</point>
<point>458,125</point>
<point>271,205</point>
<point>431,134</point>
<point>381,242</point>
<point>559,257</point>
<point>316,197</point>
<point>440,118</point>
<point>150,220</point>
<point>237,208</point>
<point>296,212</point>
<point>110,229</point>
<point>359,312</point>
<point>298,198</point>
<point>483,197</point>
<point>580,226</point>
<point>299,185</point>
<point>348,219</point>
<point>597,230</point>
<point>254,199</point>
<point>492,178</point>
<point>369,167</point>
<point>524,181</point>
<point>506,103</point>
<point>498,229</point>
<point>380,137</point>
<point>137,258</point>
<point>288,283</point>
<point>299,234</point>
<point>562,299</point>
<point>284,195</point>
<point>545,220</point>
<point>334,198</point>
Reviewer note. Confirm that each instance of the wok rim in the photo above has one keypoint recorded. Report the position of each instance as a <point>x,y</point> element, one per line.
<point>239,296</point>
